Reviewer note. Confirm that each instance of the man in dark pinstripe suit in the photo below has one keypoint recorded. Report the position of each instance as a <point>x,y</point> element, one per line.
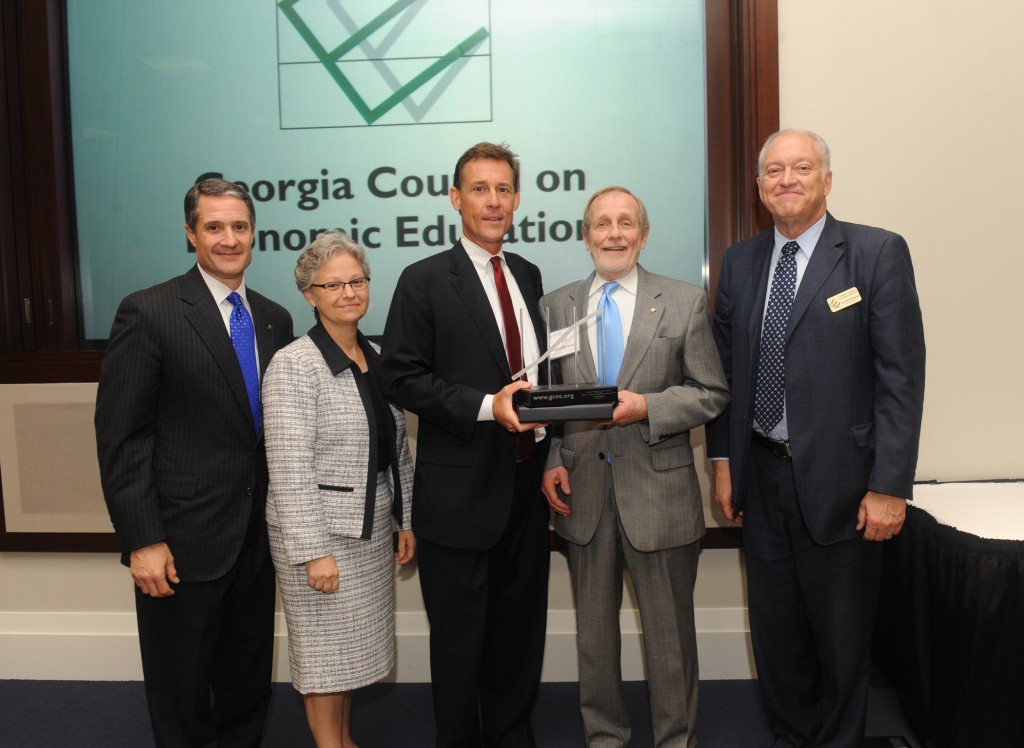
<point>184,477</point>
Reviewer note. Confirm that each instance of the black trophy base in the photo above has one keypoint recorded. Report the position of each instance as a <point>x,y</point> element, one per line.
<point>548,414</point>
<point>566,402</point>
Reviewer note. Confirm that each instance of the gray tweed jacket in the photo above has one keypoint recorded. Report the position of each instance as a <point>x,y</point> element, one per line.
<point>321,447</point>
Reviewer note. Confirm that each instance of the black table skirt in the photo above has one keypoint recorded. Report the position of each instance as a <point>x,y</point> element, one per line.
<point>950,633</point>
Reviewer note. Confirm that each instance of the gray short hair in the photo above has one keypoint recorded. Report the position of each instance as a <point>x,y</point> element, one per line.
<point>322,249</point>
<point>642,213</point>
<point>819,142</point>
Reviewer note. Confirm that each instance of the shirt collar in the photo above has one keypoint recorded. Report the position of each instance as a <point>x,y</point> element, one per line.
<point>807,240</point>
<point>628,282</point>
<point>219,290</point>
<point>479,256</point>
<point>337,360</point>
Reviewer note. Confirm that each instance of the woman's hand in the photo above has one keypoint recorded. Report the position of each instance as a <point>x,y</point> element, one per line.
<point>322,574</point>
<point>406,546</point>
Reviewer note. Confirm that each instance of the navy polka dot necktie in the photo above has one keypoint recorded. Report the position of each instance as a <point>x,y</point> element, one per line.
<point>771,367</point>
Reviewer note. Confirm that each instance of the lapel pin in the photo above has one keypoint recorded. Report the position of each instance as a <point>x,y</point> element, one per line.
<point>654,309</point>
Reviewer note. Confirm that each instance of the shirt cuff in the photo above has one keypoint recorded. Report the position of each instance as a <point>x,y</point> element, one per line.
<point>486,409</point>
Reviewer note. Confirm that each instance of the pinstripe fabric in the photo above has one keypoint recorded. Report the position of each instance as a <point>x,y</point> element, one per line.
<point>180,459</point>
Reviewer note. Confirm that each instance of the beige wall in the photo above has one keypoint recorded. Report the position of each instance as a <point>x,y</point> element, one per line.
<point>921,102</point>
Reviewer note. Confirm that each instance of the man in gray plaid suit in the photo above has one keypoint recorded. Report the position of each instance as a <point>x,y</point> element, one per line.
<point>626,492</point>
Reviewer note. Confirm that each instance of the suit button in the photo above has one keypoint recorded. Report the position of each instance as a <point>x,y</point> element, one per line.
<point>601,456</point>
<point>248,492</point>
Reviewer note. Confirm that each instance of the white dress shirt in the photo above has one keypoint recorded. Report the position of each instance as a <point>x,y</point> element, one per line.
<point>220,294</point>
<point>481,260</point>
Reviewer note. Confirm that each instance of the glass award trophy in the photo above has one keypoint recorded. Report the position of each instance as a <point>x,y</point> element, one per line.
<point>573,401</point>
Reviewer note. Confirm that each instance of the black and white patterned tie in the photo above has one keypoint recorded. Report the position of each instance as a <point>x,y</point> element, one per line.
<point>771,367</point>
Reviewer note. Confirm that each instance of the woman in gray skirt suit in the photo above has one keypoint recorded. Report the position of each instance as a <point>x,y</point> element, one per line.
<point>340,482</point>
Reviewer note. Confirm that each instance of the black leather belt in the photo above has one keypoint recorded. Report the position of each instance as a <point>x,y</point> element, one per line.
<point>779,449</point>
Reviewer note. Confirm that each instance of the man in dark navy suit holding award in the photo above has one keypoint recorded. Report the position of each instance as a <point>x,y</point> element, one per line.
<point>184,476</point>
<point>461,324</point>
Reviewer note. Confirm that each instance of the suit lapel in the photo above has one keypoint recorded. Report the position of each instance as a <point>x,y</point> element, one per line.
<point>586,358</point>
<point>646,317</point>
<point>264,329</point>
<point>532,301</point>
<point>826,254</point>
<point>467,286</point>
<point>204,316</point>
<point>759,267</point>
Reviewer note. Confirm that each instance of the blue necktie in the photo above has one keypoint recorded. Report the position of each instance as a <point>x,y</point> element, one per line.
<point>610,346</point>
<point>771,368</point>
<point>243,339</point>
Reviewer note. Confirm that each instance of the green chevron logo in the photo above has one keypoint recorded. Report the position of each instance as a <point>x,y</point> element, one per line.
<point>349,36</point>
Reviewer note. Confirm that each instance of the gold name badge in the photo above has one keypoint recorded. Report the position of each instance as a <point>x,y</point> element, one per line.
<point>849,297</point>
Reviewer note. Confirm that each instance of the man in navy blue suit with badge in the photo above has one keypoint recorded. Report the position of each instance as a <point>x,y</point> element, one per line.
<point>819,329</point>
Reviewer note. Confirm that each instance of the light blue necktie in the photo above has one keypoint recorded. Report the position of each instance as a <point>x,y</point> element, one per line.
<point>610,346</point>
<point>770,395</point>
<point>243,339</point>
